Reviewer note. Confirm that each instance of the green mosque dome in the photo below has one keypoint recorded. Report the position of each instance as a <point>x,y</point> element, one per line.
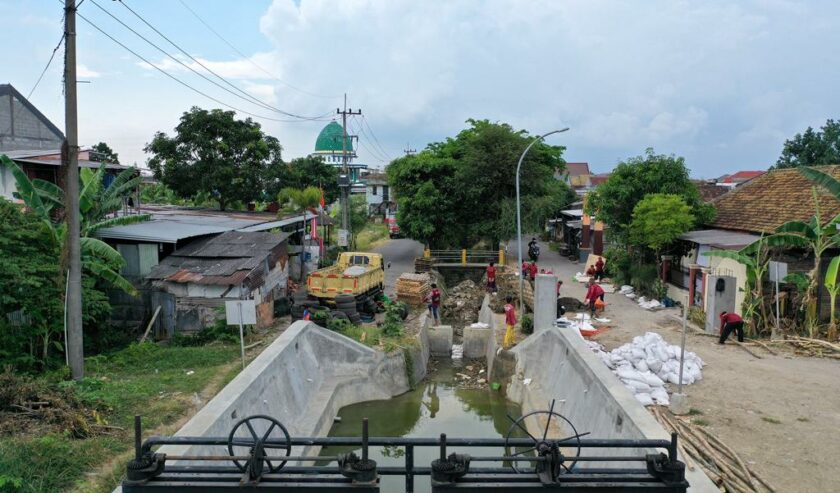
<point>329,140</point>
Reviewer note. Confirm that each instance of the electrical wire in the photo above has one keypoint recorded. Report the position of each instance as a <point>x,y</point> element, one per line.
<point>372,151</point>
<point>243,55</point>
<point>376,141</point>
<point>187,66</point>
<point>380,154</point>
<point>179,81</point>
<point>250,97</point>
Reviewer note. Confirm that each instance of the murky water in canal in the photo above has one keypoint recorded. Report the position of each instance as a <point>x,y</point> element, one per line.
<point>436,406</point>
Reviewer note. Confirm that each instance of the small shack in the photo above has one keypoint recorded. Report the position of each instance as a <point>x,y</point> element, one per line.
<point>194,281</point>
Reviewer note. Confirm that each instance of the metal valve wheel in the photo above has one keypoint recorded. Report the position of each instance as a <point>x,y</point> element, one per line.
<point>258,445</point>
<point>546,446</point>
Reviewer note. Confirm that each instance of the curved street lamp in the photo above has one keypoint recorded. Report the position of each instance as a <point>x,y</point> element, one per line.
<point>519,215</point>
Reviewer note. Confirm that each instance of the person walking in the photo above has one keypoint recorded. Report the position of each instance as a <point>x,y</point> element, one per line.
<point>491,278</point>
<point>595,292</point>
<point>510,322</point>
<point>433,302</point>
<point>730,322</point>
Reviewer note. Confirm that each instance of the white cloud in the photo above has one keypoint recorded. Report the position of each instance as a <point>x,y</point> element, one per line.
<point>83,72</point>
<point>721,83</point>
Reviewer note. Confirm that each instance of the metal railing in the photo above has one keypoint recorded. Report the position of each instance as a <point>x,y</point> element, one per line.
<point>465,256</point>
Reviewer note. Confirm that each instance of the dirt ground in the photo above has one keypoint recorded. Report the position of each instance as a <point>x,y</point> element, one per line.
<point>780,413</point>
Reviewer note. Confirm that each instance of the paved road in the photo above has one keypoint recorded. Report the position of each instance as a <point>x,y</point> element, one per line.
<point>401,254</point>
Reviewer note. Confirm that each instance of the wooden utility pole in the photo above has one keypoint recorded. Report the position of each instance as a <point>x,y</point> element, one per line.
<point>345,187</point>
<point>70,161</point>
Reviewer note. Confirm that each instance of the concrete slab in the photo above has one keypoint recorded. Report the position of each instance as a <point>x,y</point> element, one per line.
<point>440,340</point>
<point>545,301</point>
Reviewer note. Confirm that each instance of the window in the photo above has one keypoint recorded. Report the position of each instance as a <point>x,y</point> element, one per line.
<point>374,190</point>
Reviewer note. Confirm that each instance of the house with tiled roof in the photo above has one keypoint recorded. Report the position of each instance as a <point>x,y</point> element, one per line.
<point>577,176</point>
<point>740,177</point>
<point>757,207</point>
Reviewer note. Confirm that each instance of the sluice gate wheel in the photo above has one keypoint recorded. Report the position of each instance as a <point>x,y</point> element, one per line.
<point>258,444</point>
<point>547,447</point>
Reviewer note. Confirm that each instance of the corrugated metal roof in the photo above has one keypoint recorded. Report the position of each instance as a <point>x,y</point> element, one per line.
<point>720,238</point>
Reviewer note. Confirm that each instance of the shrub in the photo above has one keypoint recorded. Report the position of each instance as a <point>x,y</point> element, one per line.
<point>618,265</point>
<point>393,324</point>
<point>642,278</point>
<point>527,326</point>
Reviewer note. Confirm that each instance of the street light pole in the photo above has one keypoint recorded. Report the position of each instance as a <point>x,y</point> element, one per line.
<point>519,215</point>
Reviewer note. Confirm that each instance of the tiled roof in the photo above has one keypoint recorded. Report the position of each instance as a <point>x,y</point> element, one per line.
<point>596,180</point>
<point>710,191</point>
<point>577,169</point>
<point>772,199</point>
<point>741,176</point>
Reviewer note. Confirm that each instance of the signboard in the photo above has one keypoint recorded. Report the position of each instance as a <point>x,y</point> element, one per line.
<point>248,312</point>
<point>343,237</point>
<point>777,271</point>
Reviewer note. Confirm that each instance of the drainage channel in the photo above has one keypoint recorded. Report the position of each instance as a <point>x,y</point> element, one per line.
<point>438,404</point>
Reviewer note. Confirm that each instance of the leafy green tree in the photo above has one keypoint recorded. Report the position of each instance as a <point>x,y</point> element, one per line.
<point>658,221</point>
<point>301,173</point>
<point>213,152</point>
<point>462,190</point>
<point>102,153</point>
<point>614,201</point>
<point>812,148</point>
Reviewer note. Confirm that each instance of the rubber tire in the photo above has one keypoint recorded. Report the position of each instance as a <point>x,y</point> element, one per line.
<point>356,319</point>
<point>338,315</point>
<point>344,299</point>
<point>404,312</point>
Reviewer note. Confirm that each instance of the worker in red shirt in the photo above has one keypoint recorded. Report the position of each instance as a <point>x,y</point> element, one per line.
<point>532,270</point>
<point>730,322</point>
<point>433,300</point>
<point>594,292</point>
<point>526,268</point>
<point>491,278</point>
<point>510,322</point>
<point>599,269</point>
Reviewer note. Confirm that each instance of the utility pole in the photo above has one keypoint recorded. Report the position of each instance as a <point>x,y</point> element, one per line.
<point>70,161</point>
<point>345,187</point>
<point>409,151</point>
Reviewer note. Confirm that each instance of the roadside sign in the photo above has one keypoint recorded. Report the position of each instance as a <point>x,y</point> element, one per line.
<point>241,312</point>
<point>777,271</point>
<point>343,237</point>
<point>248,312</point>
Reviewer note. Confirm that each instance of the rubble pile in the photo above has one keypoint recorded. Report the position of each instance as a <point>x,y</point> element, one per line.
<point>507,284</point>
<point>647,363</point>
<point>461,305</point>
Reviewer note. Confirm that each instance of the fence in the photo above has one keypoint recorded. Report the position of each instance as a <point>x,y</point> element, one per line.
<point>465,256</point>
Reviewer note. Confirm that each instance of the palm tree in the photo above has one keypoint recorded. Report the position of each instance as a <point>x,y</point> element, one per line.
<point>300,201</point>
<point>96,202</point>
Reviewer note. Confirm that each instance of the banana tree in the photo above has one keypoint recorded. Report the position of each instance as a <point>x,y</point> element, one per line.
<point>833,288</point>
<point>300,201</point>
<point>44,199</point>
<point>817,237</point>
<point>754,258</point>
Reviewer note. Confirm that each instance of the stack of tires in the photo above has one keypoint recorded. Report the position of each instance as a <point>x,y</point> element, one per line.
<point>301,302</point>
<point>347,304</point>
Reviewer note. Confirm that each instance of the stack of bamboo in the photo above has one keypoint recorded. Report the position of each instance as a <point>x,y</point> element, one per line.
<point>413,288</point>
<point>808,347</point>
<point>723,466</point>
<point>423,264</point>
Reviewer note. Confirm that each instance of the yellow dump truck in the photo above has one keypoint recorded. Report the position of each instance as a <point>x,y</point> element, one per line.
<point>357,274</point>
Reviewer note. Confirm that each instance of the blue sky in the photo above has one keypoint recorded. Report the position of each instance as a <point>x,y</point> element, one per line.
<point>721,83</point>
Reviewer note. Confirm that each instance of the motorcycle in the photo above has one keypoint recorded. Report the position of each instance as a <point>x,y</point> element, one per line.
<point>534,252</point>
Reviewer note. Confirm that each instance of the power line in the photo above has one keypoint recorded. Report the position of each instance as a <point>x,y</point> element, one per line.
<point>179,81</point>
<point>205,67</point>
<point>186,66</point>
<point>243,55</point>
<point>381,154</point>
<point>372,151</point>
<point>381,148</point>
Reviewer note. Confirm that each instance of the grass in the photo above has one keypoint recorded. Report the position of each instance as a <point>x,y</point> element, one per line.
<point>803,420</point>
<point>694,412</point>
<point>700,422</point>
<point>771,420</point>
<point>145,379</point>
<point>371,236</point>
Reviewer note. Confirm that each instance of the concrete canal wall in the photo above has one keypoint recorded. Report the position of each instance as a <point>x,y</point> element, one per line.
<point>557,364</point>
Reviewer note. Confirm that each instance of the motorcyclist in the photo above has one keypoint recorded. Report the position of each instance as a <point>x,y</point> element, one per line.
<point>533,250</point>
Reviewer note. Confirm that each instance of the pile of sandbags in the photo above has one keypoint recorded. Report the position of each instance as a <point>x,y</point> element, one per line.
<point>628,291</point>
<point>413,288</point>
<point>650,305</point>
<point>581,277</point>
<point>645,365</point>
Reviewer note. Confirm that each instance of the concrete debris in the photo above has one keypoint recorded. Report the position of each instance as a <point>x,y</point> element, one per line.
<point>461,305</point>
<point>457,351</point>
<point>647,363</point>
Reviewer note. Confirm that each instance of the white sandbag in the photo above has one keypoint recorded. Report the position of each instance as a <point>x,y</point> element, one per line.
<point>653,363</point>
<point>644,398</point>
<point>641,365</point>
<point>653,380</point>
<point>638,354</point>
<point>629,374</point>
<point>637,386</point>
<point>660,395</point>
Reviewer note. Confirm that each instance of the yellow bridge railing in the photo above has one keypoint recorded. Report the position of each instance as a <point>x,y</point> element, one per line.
<point>465,256</point>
